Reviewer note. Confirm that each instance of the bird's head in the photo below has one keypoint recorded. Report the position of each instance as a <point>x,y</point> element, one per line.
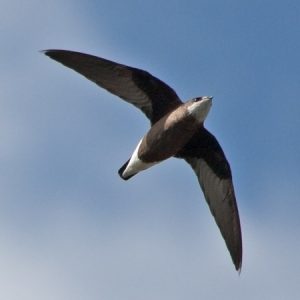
<point>199,107</point>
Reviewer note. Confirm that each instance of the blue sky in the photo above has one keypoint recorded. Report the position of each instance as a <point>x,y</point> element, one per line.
<point>70,228</point>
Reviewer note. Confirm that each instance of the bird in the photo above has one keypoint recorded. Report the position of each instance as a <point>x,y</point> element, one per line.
<point>176,130</point>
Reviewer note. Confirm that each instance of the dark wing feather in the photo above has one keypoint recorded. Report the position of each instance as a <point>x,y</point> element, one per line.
<point>138,87</point>
<point>208,161</point>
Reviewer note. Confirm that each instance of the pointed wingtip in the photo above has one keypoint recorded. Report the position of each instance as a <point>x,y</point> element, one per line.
<point>239,268</point>
<point>53,53</point>
<point>49,52</point>
<point>46,52</point>
<point>238,263</point>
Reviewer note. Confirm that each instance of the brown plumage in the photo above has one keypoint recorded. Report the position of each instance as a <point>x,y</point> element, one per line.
<point>176,130</point>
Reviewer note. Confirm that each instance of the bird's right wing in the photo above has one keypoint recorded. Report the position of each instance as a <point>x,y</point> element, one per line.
<point>138,87</point>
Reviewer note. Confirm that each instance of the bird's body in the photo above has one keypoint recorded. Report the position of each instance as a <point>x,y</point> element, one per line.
<point>177,130</point>
<point>167,136</point>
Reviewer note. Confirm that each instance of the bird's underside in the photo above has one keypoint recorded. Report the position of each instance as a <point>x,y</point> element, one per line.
<point>189,140</point>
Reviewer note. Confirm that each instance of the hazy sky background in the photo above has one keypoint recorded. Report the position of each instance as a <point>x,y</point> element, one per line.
<point>70,228</point>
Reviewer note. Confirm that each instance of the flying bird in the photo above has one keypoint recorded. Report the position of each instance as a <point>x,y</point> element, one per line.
<point>176,130</point>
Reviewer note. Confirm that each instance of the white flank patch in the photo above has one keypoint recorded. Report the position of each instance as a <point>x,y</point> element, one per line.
<point>136,165</point>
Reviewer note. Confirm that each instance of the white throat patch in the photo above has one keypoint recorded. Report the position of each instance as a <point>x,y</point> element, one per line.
<point>199,110</point>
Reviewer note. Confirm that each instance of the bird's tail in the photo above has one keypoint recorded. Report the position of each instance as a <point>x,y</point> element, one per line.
<point>122,169</point>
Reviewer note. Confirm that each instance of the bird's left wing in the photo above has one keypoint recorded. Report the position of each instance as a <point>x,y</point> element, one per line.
<point>208,161</point>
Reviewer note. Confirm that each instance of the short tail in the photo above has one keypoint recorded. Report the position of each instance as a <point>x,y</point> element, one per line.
<point>122,169</point>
